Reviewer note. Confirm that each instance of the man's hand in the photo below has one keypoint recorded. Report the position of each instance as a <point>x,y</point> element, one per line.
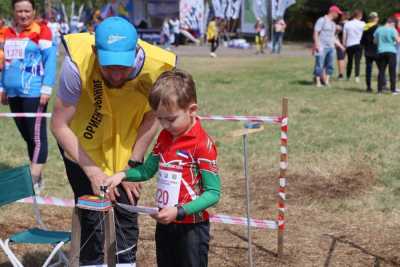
<point>44,99</point>
<point>132,191</point>
<point>166,215</point>
<point>3,98</point>
<point>96,181</point>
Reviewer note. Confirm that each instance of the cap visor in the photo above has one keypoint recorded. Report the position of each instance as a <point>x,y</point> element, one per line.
<point>116,58</point>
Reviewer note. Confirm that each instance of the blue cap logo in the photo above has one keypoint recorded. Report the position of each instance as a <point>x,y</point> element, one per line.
<point>116,40</point>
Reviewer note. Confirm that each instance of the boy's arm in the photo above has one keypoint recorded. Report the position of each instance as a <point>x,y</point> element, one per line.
<point>211,195</point>
<point>143,172</point>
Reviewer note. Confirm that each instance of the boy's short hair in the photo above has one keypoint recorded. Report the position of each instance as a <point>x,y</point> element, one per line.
<point>173,88</point>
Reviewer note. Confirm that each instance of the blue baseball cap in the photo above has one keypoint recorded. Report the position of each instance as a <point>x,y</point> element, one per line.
<point>116,40</point>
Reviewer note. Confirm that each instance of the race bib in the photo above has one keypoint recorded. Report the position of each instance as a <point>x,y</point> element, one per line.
<point>168,187</point>
<point>15,49</point>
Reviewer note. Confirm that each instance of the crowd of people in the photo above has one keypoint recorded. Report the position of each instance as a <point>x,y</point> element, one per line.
<point>349,37</point>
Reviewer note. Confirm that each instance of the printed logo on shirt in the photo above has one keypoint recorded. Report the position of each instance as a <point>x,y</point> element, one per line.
<point>183,154</point>
<point>97,117</point>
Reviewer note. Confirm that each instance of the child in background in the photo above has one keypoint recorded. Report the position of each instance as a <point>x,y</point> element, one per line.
<point>213,36</point>
<point>260,36</point>
<point>188,182</point>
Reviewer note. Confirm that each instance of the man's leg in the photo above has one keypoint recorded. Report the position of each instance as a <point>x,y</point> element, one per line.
<point>127,230</point>
<point>368,72</point>
<point>329,64</point>
<point>92,234</point>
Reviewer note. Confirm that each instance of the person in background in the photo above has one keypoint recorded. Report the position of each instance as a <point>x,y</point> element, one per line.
<point>352,34</point>
<point>55,28</point>
<point>341,54</point>
<point>386,37</point>
<point>27,80</point>
<point>64,27</point>
<point>260,36</point>
<point>213,36</point>
<point>165,35</point>
<point>397,17</point>
<point>2,31</point>
<point>370,48</point>
<point>324,46</point>
<point>279,31</point>
<point>175,25</point>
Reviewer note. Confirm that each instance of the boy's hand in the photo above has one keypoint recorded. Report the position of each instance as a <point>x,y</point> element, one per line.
<point>166,215</point>
<point>115,180</point>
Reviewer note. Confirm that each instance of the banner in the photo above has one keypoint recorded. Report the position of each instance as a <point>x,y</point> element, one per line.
<point>260,8</point>
<point>228,9</point>
<point>279,7</point>
<point>191,14</point>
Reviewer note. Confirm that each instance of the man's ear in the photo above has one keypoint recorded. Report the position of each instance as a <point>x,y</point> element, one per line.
<point>193,109</point>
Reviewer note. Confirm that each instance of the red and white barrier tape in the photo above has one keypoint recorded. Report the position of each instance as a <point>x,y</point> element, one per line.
<point>266,119</point>
<point>25,115</point>
<point>225,219</point>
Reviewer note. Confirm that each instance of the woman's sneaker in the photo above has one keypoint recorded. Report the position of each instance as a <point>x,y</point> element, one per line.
<point>38,184</point>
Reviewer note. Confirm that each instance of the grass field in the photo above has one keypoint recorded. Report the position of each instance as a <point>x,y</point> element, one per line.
<point>344,166</point>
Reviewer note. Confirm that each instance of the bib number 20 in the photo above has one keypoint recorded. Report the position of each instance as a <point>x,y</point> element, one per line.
<point>162,197</point>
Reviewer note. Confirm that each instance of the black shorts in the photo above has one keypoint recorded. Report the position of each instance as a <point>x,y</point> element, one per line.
<point>33,130</point>
<point>181,245</point>
<point>340,54</point>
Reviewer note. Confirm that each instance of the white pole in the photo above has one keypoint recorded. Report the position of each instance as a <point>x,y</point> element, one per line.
<point>245,156</point>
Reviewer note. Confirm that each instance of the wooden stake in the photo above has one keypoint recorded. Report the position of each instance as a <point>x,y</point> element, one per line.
<point>282,175</point>
<point>110,243</point>
<point>75,239</point>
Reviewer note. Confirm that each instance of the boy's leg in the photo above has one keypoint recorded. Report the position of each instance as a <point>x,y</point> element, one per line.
<point>329,63</point>
<point>381,74</point>
<point>166,245</point>
<point>193,244</point>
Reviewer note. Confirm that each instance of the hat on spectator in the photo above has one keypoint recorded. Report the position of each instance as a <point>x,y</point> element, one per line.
<point>335,9</point>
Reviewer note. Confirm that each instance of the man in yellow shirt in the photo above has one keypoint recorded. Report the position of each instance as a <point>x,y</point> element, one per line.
<point>103,122</point>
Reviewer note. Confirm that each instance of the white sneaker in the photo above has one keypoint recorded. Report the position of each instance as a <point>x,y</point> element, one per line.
<point>38,185</point>
<point>395,92</point>
<point>212,54</point>
<point>357,79</point>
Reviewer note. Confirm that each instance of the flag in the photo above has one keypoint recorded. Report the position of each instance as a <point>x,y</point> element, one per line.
<point>279,7</point>
<point>260,8</point>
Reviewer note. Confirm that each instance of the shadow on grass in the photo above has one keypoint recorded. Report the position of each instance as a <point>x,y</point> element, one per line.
<point>303,82</point>
<point>341,239</point>
<point>356,89</point>
<point>5,166</point>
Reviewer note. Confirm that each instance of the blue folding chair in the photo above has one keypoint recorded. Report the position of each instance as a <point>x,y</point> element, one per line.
<point>16,184</point>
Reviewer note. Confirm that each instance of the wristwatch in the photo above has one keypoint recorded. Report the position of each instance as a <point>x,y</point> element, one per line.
<point>134,163</point>
<point>181,213</point>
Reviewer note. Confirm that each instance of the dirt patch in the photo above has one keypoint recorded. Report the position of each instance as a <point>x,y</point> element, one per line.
<point>347,184</point>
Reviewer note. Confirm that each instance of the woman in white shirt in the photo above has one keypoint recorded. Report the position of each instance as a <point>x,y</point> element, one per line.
<point>352,34</point>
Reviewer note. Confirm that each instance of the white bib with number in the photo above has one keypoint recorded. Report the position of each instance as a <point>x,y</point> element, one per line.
<point>168,187</point>
<point>15,49</point>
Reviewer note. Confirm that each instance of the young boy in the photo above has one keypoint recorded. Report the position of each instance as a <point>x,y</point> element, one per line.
<point>188,182</point>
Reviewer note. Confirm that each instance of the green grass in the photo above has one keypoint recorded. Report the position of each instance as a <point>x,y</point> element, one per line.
<point>328,127</point>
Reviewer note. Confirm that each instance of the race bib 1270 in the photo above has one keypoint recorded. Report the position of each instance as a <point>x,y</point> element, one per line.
<point>15,49</point>
<point>168,188</point>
